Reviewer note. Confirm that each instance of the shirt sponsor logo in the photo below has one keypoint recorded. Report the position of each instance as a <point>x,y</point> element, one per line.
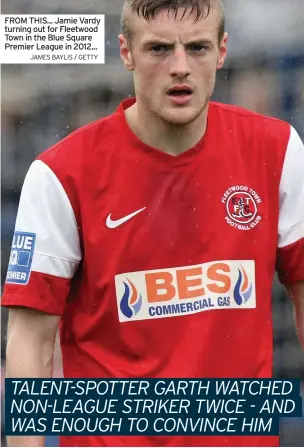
<point>225,284</point>
<point>242,205</point>
<point>20,262</point>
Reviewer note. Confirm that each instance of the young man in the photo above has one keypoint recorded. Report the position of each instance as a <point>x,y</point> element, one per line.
<point>153,234</point>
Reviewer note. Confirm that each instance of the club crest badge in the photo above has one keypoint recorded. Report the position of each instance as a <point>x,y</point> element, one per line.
<point>242,207</point>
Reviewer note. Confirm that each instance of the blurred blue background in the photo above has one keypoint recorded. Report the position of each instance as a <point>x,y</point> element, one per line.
<point>41,104</point>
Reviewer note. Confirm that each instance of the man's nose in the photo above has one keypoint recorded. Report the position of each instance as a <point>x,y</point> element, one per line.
<point>179,64</point>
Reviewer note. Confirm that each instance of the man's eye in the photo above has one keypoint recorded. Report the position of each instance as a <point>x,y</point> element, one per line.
<point>198,48</point>
<point>159,48</point>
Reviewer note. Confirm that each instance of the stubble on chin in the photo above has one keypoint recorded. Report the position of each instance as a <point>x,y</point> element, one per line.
<point>180,116</point>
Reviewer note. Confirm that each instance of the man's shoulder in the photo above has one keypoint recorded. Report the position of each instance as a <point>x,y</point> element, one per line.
<point>248,118</point>
<point>82,141</point>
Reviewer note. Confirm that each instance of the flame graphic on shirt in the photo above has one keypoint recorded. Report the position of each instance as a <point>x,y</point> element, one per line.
<point>131,301</point>
<point>243,289</point>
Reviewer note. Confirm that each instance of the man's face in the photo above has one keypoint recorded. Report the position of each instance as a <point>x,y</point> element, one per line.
<point>175,63</point>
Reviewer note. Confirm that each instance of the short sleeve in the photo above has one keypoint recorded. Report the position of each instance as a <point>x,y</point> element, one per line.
<point>45,250</point>
<point>290,256</point>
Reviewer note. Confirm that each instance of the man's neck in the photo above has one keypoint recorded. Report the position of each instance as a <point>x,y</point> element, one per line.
<point>171,139</point>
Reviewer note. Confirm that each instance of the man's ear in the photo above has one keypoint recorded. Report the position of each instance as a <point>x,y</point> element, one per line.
<point>125,53</point>
<point>223,51</point>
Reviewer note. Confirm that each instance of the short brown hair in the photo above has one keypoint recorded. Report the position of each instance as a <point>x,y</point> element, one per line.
<point>148,8</point>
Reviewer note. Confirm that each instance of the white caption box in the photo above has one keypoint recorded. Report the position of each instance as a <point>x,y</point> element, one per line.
<point>52,39</point>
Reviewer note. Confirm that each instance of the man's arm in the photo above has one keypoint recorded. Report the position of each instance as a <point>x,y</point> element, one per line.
<point>36,299</point>
<point>30,351</point>
<point>296,293</point>
<point>290,255</point>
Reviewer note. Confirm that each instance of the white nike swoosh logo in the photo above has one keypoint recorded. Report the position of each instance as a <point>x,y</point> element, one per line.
<point>111,224</point>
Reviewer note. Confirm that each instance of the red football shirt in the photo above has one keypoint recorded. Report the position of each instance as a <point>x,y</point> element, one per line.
<point>162,266</point>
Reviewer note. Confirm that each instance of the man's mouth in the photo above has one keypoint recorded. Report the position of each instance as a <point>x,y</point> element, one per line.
<point>180,91</point>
